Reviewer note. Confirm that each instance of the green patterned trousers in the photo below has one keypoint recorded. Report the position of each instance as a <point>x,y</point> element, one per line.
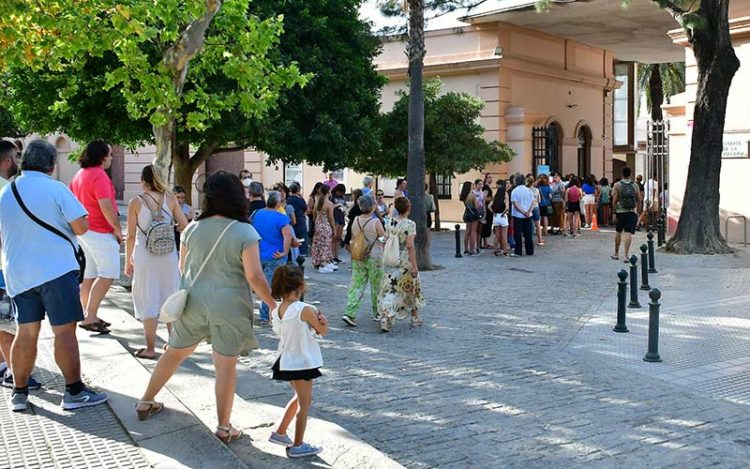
<point>370,271</point>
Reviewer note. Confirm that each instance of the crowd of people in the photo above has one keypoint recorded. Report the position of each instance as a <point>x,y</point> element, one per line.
<point>61,247</point>
<point>523,210</point>
<point>61,254</point>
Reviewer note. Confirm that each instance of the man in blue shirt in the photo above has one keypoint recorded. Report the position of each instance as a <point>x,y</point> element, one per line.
<point>275,240</point>
<point>42,273</point>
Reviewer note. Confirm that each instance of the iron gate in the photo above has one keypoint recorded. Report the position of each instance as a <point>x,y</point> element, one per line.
<point>545,148</point>
<point>657,169</point>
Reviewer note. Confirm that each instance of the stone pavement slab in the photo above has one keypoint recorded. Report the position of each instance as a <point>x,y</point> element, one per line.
<point>48,437</point>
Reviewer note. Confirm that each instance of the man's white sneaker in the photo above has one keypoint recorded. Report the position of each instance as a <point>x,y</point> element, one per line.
<point>325,270</point>
<point>332,266</point>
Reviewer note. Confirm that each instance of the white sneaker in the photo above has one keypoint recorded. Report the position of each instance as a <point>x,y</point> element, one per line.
<point>325,270</point>
<point>332,266</point>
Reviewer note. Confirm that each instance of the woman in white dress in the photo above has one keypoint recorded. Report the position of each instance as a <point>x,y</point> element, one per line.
<point>155,277</point>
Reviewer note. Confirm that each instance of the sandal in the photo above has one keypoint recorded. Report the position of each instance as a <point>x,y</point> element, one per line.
<point>105,323</point>
<point>141,353</point>
<point>153,409</point>
<point>95,327</point>
<point>232,434</point>
<point>614,258</point>
<point>416,321</point>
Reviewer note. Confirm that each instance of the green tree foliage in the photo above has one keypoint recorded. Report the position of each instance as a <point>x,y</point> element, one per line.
<point>156,46</point>
<point>8,125</point>
<point>453,139</point>
<point>659,82</point>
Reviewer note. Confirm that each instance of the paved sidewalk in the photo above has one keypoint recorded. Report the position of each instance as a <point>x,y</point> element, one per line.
<point>48,437</point>
<point>499,375</point>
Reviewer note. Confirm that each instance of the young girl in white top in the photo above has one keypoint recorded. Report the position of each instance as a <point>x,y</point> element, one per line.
<point>296,324</point>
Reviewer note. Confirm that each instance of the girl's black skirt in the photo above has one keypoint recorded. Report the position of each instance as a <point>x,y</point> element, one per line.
<point>294,375</point>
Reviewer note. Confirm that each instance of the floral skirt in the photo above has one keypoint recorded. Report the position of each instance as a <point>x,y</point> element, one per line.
<point>399,293</point>
<point>322,245</point>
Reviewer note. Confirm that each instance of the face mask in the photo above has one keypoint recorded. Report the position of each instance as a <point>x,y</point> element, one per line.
<point>246,182</point>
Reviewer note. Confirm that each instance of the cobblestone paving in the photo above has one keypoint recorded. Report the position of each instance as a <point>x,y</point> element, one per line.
<point>48,437</point>
<point>494,377</point>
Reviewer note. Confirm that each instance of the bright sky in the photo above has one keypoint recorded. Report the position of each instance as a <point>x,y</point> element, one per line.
<point>369,11</point>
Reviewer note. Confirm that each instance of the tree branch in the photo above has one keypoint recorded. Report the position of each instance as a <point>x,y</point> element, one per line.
<point>190,43</point>
<point>203,153</point>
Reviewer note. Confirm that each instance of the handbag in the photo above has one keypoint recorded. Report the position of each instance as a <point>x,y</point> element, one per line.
<point>77,250</point>
<point>549,210</point>
<point>175,303</point>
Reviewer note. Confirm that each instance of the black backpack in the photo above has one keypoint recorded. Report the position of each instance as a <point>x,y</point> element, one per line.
<point>628,195</point>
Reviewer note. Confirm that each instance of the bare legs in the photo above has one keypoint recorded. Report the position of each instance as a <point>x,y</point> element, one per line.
<point>93,292</point>
<point>23,352</point>
<point>298,406</point>
<point>471,237</point>
<point>574,222</point>
<point>226,381</point>
<point>149,332</point>
<point>6,342</point>
<point>589,208</point>
<point>165,368</point>
<point>338,235</point>
<point>628,238</point>
<point>539,238</point>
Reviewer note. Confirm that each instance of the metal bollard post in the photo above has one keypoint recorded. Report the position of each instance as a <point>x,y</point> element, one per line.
<point>660,232</point>
<point>301,264</point>
<point>652,355</point>
<point>458,241</point>
<point>644,268</point>
<point>634,283</point>
<point>622,287</point>
<point>651,260</point>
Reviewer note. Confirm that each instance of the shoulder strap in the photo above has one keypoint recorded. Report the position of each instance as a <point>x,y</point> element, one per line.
<point>211,252</point>
<point>35,219</point>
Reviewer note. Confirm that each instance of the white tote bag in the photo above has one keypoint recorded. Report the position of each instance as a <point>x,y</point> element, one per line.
<point>174,306</point>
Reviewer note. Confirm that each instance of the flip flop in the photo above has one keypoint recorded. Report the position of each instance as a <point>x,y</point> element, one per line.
<point>95,327</point>
<point>141,353</point>
<point>614,258</point>
<point>106,324</point>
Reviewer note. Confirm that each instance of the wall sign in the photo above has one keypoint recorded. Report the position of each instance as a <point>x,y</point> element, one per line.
<point>736,145</point>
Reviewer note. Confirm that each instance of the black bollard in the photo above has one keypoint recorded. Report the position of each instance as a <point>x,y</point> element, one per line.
<point>622,287</point>
<point>458,241</point>
<point>634,283</point>
<point>651,260</point>
<point>652,355</point>
<point>644,268</point>
<point>301,264</point>
<point>661,233</point>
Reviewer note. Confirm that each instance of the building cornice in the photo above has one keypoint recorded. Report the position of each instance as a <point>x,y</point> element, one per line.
<point>739,28</point>
<point>443,68</point>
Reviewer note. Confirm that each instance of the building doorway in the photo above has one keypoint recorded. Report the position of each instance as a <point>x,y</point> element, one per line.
<point>584,151</point>
<point>547,147</point>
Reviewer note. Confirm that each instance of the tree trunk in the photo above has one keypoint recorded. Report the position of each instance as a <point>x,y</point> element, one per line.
<point>656,92</point>
<point>164,136</point>
<point>415,168</point>
<point>698,230</point>
<point>183,173</point>
<point>176,59</point>
<point>433,191</point>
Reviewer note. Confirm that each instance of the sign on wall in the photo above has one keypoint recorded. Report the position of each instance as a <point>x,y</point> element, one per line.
<point>736,145</point>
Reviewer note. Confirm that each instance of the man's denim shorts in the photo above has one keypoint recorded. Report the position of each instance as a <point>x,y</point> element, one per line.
<point>59,298</point>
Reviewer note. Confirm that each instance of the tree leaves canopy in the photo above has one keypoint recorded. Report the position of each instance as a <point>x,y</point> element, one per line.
<point>132,40</point>
<point>454,139</point>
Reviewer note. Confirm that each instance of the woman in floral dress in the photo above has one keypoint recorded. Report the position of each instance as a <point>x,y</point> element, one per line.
<point>322,247</point>
<point>400,294</point>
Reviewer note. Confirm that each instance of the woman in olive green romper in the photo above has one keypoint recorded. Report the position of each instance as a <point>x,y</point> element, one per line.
<point>220,302</point>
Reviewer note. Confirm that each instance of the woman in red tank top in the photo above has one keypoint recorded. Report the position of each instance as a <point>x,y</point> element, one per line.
<point>573,207</point>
